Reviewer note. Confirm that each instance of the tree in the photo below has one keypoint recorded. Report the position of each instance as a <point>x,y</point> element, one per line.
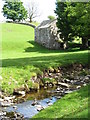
<point>81,13</point>
<point>50,17</point>
<point>63,22</point>
<point>33,11</point>
<point>73,19</point>
<point>14,10</point>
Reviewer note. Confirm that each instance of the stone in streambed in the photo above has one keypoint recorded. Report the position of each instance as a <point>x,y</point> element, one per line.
<point>63,84</point>
<point>84,84</point>
<point>9,98</point>
<point>19,93</point>
<point>5,104</point>
<point>68,91</point>
<point>1,100</point>
<point>58,97</point>
<point>78,87</point>
<point>15,107</point>
<point>34,102</point>
<point>67,81</point>
<point>77,83</point>
<point>86,79</point>
<point>49,104</point>
<point>39,107</point>
<point>2,113</point>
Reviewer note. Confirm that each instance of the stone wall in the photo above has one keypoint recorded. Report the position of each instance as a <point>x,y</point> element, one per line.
<point>22,23</point>
<point>46,35</point>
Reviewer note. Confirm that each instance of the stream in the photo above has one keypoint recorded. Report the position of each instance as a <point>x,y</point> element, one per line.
<point>34,102</point>
<point>43,97</point>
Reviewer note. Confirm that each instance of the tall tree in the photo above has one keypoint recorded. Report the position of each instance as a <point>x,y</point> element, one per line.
<point>63,21</point>
<point>81,13</point>
<point>73,19</point>
<point>14,10</point>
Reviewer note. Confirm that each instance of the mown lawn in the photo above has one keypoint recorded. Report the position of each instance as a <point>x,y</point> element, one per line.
<point>23,58</point>
<point>74,105</point>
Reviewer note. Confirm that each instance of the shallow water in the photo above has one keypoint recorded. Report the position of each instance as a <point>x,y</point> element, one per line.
<point>42,97</point>
<point>27,109</point>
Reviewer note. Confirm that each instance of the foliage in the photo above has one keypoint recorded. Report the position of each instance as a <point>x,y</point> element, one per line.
<point>50,17</point>
<point>14,11</point>
<point>63,22</point>
<point>73,105</point>
<point>73,19</point>
<point>81,13</point>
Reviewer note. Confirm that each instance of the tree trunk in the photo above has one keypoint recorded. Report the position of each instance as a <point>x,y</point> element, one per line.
<point>30,20</point>
<point>65,45</point>
<point>84,43</point>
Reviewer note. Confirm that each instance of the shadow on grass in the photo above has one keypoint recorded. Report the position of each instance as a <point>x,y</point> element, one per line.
<point>46,61</point>
<point>38,48</point>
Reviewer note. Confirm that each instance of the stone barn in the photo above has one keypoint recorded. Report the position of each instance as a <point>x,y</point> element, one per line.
<point>46,34</point>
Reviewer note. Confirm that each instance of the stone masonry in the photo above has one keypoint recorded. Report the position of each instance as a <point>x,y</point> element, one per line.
<point>46,34</point>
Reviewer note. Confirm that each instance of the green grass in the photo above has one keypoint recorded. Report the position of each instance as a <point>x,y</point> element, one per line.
<point>23,58</point>
<point>73,105</point>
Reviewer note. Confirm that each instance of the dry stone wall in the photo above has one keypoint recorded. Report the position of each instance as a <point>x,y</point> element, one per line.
<point>46,34</point>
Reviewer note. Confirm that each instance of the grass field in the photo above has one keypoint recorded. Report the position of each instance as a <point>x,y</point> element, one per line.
<point>74,105</point>
<point>23,58</point>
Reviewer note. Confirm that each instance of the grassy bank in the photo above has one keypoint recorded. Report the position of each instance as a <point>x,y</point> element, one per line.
<point>73,105</point>
<point>23,58</point>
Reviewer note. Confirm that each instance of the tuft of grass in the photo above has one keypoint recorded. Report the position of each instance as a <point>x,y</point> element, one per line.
<point>22,58</point>
<point>73,105</point>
